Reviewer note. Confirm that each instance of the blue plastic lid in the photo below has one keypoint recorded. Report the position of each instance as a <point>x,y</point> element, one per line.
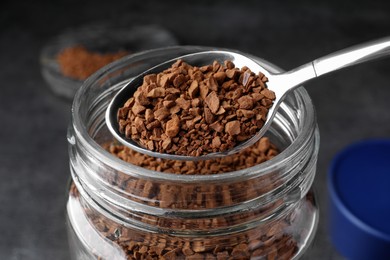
<point>359,203</point>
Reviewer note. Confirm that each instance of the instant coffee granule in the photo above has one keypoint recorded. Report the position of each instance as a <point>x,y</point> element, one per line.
<point>260,152</point>
<point>270,241</point>
<point>189,110</point>
<point>79,63</point>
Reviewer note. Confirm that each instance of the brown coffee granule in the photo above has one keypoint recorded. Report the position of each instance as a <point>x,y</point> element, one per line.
<point>189,110</point>
<point>270,241</point>
<point>257,243</point>
<point>175,196</point>
<point>260,152</point>
<point>79,63</point>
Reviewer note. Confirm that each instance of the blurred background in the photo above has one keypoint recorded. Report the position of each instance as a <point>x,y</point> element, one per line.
<point>351,105</point>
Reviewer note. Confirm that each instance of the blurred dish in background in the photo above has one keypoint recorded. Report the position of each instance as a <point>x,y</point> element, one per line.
<point>71,57</point>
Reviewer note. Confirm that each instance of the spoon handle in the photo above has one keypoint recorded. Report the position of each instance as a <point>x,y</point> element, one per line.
<point>351,56</point>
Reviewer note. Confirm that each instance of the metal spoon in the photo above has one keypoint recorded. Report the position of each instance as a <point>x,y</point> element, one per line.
<point>281,84</point>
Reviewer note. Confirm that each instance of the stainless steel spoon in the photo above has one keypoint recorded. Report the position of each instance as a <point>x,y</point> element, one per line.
<point>281,84</point>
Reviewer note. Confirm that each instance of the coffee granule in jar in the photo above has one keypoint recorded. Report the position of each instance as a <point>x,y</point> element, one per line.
<point>268,242</point>
<point>189,110</point>
<point>79,63</point>
<point>258,153</point>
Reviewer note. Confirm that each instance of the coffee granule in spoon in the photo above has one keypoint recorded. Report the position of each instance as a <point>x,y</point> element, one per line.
<point>189,110</point>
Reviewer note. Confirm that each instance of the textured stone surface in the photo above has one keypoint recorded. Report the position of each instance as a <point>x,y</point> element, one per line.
<point>351,105</point>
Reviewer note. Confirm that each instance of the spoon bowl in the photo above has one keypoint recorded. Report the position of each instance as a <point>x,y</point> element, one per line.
<point>280,84</point>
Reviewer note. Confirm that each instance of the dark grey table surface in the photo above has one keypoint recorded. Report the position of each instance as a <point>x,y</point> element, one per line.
<point>351,105</point>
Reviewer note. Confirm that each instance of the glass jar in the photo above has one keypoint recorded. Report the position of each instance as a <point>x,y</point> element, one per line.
<point>117,210</point>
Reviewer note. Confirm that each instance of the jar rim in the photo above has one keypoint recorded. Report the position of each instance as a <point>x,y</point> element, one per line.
<point>99,153</point>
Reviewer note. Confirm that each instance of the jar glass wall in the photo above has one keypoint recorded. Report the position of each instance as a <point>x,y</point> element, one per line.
<point>117,210</point>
